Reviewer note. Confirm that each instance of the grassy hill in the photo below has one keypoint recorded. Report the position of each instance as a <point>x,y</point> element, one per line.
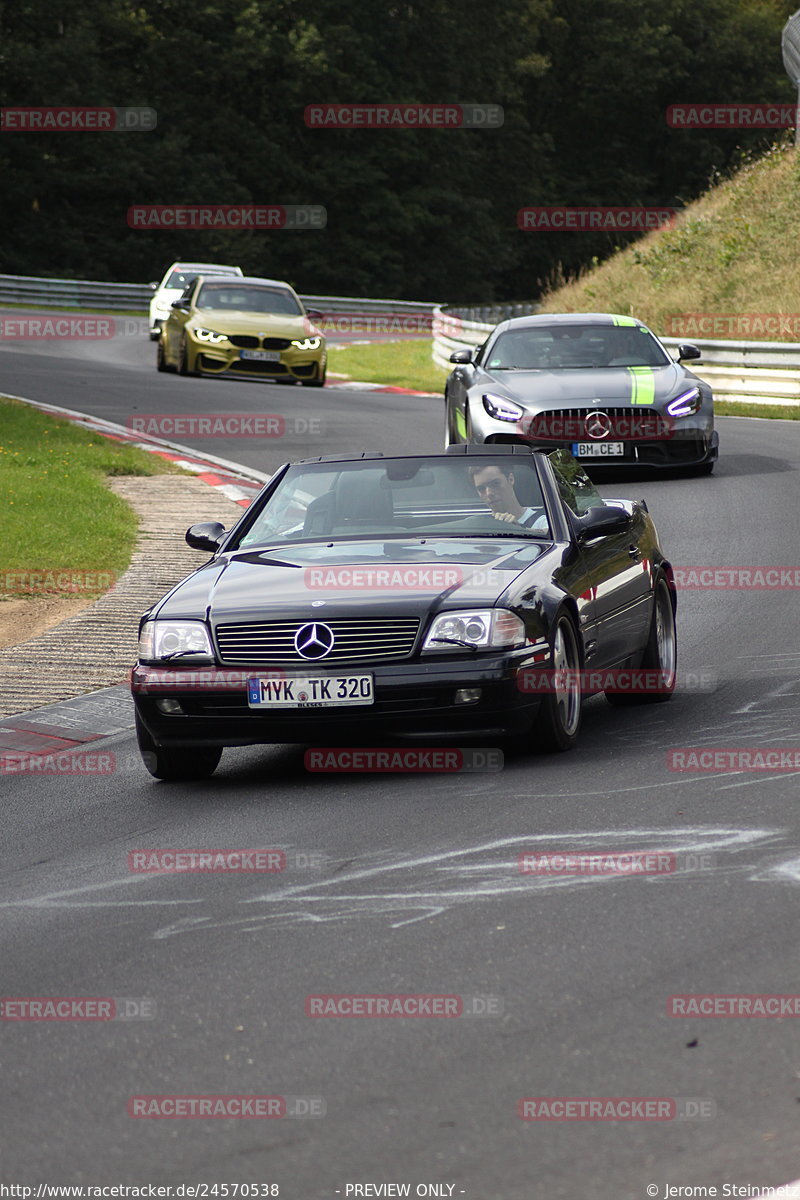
<point>736,250</point>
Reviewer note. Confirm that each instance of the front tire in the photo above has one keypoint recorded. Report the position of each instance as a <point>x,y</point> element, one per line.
<point>559,719</point>
<point>175,763</point>
<point>315,382</point>
<point>661,653</point>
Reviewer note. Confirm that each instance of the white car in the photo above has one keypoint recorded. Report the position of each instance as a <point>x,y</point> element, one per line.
<point>174,284</point>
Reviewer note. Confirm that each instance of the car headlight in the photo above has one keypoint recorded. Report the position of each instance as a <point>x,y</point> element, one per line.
<point>685,404</point>
<point>160,641</point>
<point>478,629</point>
<point>309,343</point>
<point>210,335</point>
<point>501,409</point>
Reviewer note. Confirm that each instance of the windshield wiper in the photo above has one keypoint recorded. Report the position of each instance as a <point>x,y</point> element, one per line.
<point>182,654</point>
<point>524,533</point>
<point>456,642</point>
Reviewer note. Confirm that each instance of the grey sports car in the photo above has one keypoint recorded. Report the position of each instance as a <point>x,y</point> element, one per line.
<point>599,385</point>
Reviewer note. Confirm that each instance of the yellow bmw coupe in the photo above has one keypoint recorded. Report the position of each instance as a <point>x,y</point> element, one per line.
<point>247,327</point>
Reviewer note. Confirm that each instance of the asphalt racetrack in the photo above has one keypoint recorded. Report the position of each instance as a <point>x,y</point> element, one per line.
<point>410,884</point>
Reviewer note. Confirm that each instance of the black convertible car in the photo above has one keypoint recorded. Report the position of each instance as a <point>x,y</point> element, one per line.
<point>417,599</point>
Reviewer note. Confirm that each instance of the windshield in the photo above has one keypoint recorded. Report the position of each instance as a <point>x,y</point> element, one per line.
<point>181,279</point>
<point>248,298</point>
<point>464,497</point>
<point>572,347</point>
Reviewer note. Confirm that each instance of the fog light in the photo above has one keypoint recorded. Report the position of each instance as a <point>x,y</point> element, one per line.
<point>167,705</point>
<point>468,695</point>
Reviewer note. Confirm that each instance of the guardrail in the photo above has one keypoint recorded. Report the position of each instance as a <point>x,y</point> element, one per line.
<point>758,372</point>
<point>135,297</point>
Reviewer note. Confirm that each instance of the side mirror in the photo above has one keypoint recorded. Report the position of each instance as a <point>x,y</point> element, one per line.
<point>314,314</point>
<point>601,521</point>
<point>182,304</point>
<point>207,535</point>
<point>461,356</point>
<point>688,351</point>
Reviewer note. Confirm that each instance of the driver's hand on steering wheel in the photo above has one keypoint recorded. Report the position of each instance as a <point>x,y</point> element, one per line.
<point>504,517</point>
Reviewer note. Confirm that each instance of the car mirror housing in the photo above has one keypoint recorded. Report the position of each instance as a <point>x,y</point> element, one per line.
<point>461,356</point>
<point>179,304</point>
<point>688,351</point>
<point>207,535</point>
<point>315,314</point>
<point>601,521</point>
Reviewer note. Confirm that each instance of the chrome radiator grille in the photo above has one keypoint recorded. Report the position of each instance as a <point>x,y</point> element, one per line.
<point>355,640</point>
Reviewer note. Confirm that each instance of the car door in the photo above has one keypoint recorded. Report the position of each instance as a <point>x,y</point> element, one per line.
<point>458,385</point>
<point>175,322</point>
<point>617,572</point>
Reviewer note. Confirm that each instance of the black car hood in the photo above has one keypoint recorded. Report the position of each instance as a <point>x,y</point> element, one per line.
<point>565,389</point>
<point>399,576</point>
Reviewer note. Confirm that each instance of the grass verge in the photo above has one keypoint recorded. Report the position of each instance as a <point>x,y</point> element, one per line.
<point>785,412</point>
<point>58,513</point>
<point>401,364</point>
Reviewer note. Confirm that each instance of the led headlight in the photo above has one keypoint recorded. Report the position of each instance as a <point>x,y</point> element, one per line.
<point>685,404</point>
<point>479,629</point>
<point>163,640</point>
<point>210,335</point>
<point>309,343</point>
<point>501,409</point>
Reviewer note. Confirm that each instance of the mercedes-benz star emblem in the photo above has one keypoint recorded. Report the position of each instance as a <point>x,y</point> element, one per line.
<point>314,640</point>
<point>598,425</point>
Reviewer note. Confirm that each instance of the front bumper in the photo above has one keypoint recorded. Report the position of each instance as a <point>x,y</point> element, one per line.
<point>293,364</point>
<point>414,701</point>
<point>686,442</point>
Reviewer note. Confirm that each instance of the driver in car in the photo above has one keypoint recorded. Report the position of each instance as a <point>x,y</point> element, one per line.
<point>495,486</point>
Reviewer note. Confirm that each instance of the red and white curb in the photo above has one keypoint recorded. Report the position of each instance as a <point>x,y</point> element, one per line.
<point>354,385</point>
<point>239,483</point>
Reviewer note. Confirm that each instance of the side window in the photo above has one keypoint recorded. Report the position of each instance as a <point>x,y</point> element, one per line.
<point>576,488</point>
